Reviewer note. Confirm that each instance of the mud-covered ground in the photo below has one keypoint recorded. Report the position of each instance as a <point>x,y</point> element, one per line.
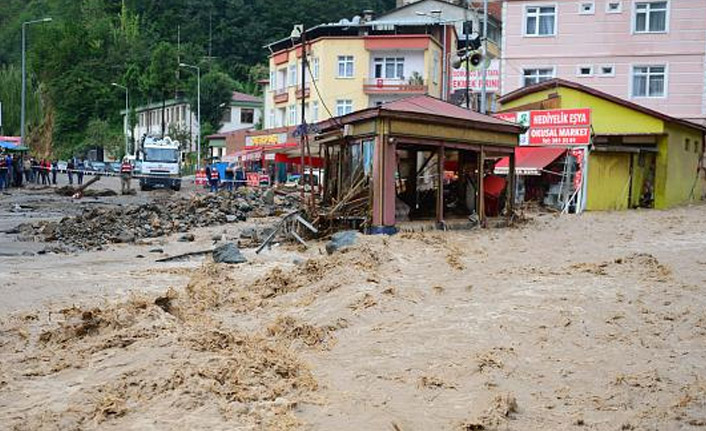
<point>591,322</point>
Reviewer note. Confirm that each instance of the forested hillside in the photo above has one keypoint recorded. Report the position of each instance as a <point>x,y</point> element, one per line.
<point>137,43</point>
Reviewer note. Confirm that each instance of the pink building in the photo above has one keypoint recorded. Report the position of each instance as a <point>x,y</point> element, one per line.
<point>651,52</point>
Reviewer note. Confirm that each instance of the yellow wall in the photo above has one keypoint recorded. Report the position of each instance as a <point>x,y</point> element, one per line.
<point>679,175</point>
<point>607,117</point>
<point>608,181</point>
<point>675,168</point>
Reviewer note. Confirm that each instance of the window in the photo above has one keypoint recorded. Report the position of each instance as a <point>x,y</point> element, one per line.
<point>315,111</point>
<point>247,115</point>
<point>282,79</point>
<point>389,67</point>
<point>315,68</point>
<point>344,107</point>
<point>587,8</point>
<point>292,115</point>
<point>650,17</point>
<point>535,76</point>
<point>648,81</point>
<point>435,67</point>
<point>686,144</point>
<point>273,80</point>
<point>292,75</point>
<point>281,117</point>
<point>271,119</point>
<point>584,71</point>
<point>345,66</point>
<point>226,115</point>
<point>607,70</point>
<point>540,21</point>
<point>613,7</point>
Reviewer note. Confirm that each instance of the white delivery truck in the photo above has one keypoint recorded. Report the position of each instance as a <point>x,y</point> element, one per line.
<point>159,163</point>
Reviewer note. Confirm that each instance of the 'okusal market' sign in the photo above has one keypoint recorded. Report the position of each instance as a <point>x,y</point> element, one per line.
<point>553,127</point>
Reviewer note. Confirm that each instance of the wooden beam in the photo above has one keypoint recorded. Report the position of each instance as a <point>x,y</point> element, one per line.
<point>440,192</point>
<point>481,188</point>
<point>510,204</point>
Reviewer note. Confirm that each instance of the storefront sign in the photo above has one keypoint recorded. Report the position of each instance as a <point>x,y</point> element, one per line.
<point>492,77</point>
<point>578,176</point>
<point>265,140</point>
<point>560,136</point>
<point>553,127</point>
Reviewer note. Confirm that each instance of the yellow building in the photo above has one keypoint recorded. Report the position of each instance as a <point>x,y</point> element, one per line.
<point>638,157</point>
<point>352,66</point>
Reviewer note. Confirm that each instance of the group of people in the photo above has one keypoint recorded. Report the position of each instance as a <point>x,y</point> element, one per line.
<point>234,178</point>
<point>17,170</point>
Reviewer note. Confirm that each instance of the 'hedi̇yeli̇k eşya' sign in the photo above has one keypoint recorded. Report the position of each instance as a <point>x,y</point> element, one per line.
<point>553,127</point>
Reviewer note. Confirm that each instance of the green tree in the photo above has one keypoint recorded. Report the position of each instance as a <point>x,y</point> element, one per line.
<point>162,73</point>
<point>11,98</point>
<point>216,94</point>
<point>99,133</point>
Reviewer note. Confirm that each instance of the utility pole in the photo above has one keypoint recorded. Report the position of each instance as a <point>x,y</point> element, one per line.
<point>198,110</point>
<point>483,102</point>
<point>467,25</point>
<point>127,113</point>
<point>24,75</point>
<point>303,126</point>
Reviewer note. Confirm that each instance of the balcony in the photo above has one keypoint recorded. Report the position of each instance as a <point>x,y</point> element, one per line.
<point>281,95</point>
<point>394,86</point>
<point>307,92</point>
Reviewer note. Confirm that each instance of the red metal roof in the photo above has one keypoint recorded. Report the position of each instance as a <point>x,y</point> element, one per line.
<point>430,105</point>
<point>530,160</point>
<point>242,97</point>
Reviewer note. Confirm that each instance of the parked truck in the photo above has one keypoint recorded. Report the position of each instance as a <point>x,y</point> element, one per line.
<point>159,161</point>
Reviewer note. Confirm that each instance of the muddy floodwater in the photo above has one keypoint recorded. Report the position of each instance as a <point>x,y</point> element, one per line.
<point>591,322</point>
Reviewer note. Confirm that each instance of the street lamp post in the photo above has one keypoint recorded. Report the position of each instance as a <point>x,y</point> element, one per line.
<point>24,75</point>
<point>198,110</point>
<point>127,112</point>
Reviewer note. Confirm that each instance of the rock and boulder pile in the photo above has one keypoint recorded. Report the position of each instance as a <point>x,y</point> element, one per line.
<point>100,226</point>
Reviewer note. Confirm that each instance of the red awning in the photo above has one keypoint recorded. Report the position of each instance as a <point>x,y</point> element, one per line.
<point>529,160</point>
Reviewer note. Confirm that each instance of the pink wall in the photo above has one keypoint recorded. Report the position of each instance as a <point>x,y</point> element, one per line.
<point>605,38</point>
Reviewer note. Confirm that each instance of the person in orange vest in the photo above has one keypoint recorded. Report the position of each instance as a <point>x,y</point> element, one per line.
<point>125,176</point>
<point>214,180</point>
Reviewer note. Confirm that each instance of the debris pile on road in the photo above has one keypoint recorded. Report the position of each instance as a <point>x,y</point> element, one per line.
<point>100,226</point>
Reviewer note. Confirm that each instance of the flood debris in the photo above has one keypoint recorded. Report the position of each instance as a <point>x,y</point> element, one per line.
<point>97,227</point>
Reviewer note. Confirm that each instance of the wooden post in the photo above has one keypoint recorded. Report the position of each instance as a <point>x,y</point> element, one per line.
<point>511,179</point>
<point>481,188</point>
<point>440,191</point>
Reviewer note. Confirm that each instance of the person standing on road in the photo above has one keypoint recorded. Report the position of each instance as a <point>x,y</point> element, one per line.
<point>215,180</point>
<point>230,177</point>
<point>125,177</point>
<point>18,164</point>
<point>3,173</point>
<point>70,166</point>
<point>80,166</point>
<point>27,167</point>
<point>54,171</point>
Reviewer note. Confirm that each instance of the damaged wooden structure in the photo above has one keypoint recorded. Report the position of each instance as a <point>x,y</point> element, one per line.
<point>418,161</point>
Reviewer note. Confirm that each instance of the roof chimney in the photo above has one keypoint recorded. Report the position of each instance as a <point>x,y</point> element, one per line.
<point>368,15</point>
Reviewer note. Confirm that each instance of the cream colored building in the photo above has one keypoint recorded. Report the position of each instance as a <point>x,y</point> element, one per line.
<point>355,65</point>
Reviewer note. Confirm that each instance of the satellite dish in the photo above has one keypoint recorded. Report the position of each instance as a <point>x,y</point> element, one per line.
<point>297,31</point>
<point>356,20</point>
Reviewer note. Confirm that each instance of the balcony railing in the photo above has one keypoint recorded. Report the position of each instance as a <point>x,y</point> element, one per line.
<point>381,85</point>
<point>281,95</point>
<point>306,92</point>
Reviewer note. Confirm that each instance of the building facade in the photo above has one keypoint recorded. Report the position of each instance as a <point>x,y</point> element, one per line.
<point>244,112</point>
<point>354,65</point>
<point>649,52</point>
